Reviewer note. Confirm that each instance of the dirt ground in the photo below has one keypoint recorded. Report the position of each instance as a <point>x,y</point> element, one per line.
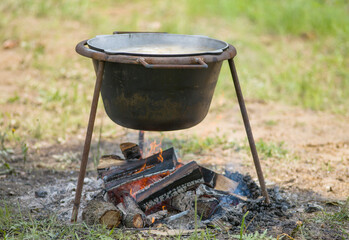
<point>317,144</point>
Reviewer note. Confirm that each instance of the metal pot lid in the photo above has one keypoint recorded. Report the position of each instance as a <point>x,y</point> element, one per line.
<point>157,44</point>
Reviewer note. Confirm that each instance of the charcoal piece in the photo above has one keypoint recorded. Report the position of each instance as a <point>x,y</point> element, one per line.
<point>247,187</point>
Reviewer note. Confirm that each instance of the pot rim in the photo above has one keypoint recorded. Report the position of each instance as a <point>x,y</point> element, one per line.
<point>84,50</point>
<point>99,43</point>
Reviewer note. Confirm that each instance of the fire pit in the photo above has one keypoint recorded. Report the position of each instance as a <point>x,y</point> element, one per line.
<point>166,89</point>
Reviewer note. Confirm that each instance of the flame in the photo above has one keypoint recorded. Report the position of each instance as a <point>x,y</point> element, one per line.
<point>160,158</point>
<point>163,208</point>
<point>142,168</point>
<point>152,219</point>
<point>154,148</point>
<point>132,194</point>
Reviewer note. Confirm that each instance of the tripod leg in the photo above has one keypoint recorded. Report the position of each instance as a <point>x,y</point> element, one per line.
<point>87,144</point>
<point>248,129</point>
<point>141,140</point>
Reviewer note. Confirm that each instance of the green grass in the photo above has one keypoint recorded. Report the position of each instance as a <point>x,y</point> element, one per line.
<point>270,149</point>
<point>16,223</point>
<point>295,17</point>
<point>326,224</point>
<point>199,145</point>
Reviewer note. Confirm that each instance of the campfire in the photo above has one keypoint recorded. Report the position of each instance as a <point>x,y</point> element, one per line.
<point>159,189</point>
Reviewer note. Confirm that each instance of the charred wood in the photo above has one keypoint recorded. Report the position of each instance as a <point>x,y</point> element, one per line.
<point>204,190</point>
<point>218,181</point>
<point>132,167</point>
<point>131,150</point>
<point>183,179</point>
<point>106,162</point>
<point>157,169</point>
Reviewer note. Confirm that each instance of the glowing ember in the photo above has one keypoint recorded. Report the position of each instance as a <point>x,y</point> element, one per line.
<point>163,207</point>
<point>152,219</point>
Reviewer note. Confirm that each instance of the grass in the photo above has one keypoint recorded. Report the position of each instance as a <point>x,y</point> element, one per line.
<point>199,145</point>
<point>333,224</point>
<point>18,224</point>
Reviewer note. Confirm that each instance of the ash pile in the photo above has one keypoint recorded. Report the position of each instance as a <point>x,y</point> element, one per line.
<point>160,191</point>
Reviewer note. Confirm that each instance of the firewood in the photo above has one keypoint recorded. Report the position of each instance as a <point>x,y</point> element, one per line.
<point>130,150</point>
<point>218,181</point>
<point>204,190</point>
<point>99,211</point>
<point>106,162</point>
<point>123,175</point>
<point>134,217</point>
<point>151,218</point>
<point>177,216</point>
<point>183,179</point>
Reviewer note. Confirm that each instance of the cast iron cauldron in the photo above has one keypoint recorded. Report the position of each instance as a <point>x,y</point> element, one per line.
<point>161,90</point>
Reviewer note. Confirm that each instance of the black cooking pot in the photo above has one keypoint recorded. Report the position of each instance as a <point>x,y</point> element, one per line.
<point>168,87</point>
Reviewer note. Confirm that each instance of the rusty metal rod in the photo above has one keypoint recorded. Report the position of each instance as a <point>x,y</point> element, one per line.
<point>141,140</point>
<point>248,129</point>
<point>87,144</point>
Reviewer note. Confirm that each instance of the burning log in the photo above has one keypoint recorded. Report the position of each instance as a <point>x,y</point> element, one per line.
<point>131,150</point>
<point>218,181</point>
<point>183,179</point>
<point>134,217</point>
<point>134,167</point>
<point>99,211</point>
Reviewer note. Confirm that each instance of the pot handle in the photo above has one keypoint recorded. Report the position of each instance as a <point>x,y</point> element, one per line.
<point>201,65</point>
<point>125,32</point>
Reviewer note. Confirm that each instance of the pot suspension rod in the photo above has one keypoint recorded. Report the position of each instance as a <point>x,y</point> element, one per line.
<point>87,144</point>
<point>248,129</point>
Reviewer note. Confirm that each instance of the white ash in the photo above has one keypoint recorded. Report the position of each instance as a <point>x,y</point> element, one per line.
<point>60,197</point>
